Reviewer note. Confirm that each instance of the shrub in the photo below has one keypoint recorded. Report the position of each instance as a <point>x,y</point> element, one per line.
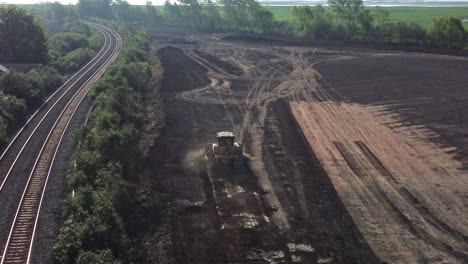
<point>448,32</point>
<point>106,157</point>
<point>3,128</point>
<point>12,110</point>
<point>68,41</point>
<point>73,60</point>
<point>23,86</point>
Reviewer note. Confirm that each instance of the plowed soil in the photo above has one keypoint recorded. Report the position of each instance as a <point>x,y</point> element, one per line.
<point>335,174</point>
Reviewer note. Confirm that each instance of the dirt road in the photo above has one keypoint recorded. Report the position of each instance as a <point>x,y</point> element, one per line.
<point>287,206</point>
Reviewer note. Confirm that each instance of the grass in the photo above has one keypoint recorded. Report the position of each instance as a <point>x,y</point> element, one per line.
<point>421,15</point>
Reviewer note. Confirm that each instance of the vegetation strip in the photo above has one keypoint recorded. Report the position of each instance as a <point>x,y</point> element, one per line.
<point>64,53</point>
<point>19,244</point>
<point>100,225</point>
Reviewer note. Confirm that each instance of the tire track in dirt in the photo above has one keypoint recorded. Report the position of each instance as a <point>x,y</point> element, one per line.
<point>247,101</point>
<point>424,211</point>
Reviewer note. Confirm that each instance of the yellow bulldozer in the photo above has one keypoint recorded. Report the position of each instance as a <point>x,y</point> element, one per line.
<point>226,151</point>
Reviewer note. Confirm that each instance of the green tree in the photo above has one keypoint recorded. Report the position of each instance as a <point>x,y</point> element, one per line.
<point>301,14</point>
<point>263,20</point>
<point>382,23</point>
<point>405,32</point>
<point>59,11</point>
<point>448,32</point>
<point>350,14</point>
<point>126,12</point>
<point>12,110</point>
<point>212,17</point>
<point>172,13</point>
<point>152,15</point>
<point>97,257</point>
<point>3,128</point>
<point>193,12</point>
<point>240,13</point>
<point>95,8</point>
<point>365,20</point>
<point>312,21</point>
<point>22,86</point>
<point>24,39</point>
<point>122,10</point>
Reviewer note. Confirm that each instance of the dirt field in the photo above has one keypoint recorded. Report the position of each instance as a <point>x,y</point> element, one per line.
<point>369,187</point>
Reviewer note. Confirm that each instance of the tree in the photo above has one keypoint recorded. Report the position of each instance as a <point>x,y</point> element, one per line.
<point>126,12</point>
<point>382,23</point>
<point>98,257</point>
<point>349,14</point>
<point>312,21</point>
<point>12,110</point>
<point>448,32</point>
<point>151,13</point>
<point>263,20</point>
<point>59,11</point>
<point>193,12</point>
<point>172,13</point>
<point>23,38</point>
<point>302,14</point>
<point>22,86</point>
<point>3,128</point>
<point>122,10</point>
<point>240,13</point>
<point>95,8</point>
<point>409,32</point>
<point>212,17</point>
<point>365,20</point>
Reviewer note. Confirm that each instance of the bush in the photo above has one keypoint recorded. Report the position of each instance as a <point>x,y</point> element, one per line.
<point>68,41</point>
<point>74,25</point>
<point>23,86</point>
<point>12,109</point>
<point>73,60</point>
<point>20,91</point>
<point>448,32</point>
<point>404,32</point>
<point>49,76</point>
<point>95,40</point>
<point>3,128</point>
<point>98,257</point>
<point>106,157</point>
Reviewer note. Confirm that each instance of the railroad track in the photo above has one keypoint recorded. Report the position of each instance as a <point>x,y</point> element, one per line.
<point>34,149</point>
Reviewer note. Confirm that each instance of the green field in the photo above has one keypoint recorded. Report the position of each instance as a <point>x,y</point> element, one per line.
<point>422,15</point>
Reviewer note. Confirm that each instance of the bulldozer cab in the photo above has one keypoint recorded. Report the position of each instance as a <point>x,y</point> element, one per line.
<point>226,141</point>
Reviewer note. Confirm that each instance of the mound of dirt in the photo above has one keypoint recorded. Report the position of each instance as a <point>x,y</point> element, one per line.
<point>180,78</point>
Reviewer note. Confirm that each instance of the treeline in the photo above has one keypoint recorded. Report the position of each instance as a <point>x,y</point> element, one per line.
<point>350,20</point>
<point>344,20</point>
<point>206,15</point>
<point>64,52</point>
<point>111,208</point>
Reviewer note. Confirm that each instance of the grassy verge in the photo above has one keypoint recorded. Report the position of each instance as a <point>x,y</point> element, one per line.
<point>421,15</point>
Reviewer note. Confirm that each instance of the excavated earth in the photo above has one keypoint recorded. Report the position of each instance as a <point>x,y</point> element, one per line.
<point>353,155</point>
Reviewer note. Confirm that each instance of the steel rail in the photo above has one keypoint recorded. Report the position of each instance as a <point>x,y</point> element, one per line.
<point>43,171</point>
<point>96,62</point>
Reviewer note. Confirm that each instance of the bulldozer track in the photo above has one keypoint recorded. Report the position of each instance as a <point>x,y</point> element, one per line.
<point>19,242</point>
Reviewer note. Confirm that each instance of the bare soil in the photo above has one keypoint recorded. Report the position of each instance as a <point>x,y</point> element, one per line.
<point>403,192</point>
<point>297,200</point>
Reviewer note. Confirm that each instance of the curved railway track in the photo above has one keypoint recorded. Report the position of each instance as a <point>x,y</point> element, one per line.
<point>27,161</point>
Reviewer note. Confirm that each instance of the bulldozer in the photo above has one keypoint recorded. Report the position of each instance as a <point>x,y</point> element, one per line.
<point>225,151</point>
